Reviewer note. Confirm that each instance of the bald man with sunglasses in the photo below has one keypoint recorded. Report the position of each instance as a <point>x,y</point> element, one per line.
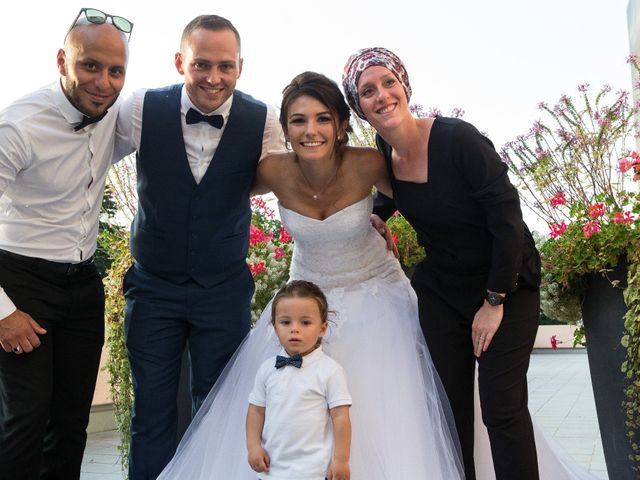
<point>56,147</point>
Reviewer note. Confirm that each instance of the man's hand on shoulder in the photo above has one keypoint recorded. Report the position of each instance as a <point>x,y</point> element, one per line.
<point>19,331</point>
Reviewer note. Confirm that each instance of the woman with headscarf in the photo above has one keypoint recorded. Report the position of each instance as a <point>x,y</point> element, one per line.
<point>478,288</point>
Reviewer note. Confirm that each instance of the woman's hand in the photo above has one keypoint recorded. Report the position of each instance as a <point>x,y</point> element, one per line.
<point>486,322</point>
<point>383,229</point>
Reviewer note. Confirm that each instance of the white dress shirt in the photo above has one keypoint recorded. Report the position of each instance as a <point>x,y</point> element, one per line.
<point>200,139</point>
<point>51,179</point>
<point>297,432</point>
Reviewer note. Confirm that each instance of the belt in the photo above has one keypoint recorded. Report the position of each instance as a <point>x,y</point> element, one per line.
<point>49,266</point>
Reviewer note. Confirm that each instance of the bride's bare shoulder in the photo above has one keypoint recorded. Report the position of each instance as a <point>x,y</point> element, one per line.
<point>274,164</point>
<point>365,158</point>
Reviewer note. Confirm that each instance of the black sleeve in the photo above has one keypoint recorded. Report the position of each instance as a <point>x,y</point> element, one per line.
<point>487,176</point>
<point>383,206</point>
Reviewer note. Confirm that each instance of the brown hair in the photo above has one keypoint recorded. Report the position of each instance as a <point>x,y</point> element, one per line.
<point>208,22</point>
<point>302,289</point>
<point>322,89</point>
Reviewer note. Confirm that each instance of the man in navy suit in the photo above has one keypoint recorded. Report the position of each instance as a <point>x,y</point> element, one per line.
<point>198,145</point>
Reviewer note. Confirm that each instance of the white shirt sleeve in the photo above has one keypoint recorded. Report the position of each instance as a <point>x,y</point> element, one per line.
<point>258,395</point>
<point>337,390</point>
<point>273,139</point>
<point>129,126</point>
<point>14,156</point>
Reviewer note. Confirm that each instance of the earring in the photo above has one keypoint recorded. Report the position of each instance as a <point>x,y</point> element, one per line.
<point>287,144</point>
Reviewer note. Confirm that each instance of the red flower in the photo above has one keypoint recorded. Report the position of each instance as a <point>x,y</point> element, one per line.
<point>284,235</point>
<point>591,227</point>
<point>394,237</point>
<point>279,253</point>
<point>558,229</point>
<point>558,199</point>
<point>257,267</point>
<point>626,217</point>
<point>596,210</point>
<point>257,236</point>
<point>554,342</point>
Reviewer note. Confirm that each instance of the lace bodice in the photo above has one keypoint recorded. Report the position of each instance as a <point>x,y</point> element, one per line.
<point>340,251</point>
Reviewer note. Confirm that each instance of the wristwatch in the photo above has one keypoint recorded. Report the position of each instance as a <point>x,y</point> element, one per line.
<point>494,299</point>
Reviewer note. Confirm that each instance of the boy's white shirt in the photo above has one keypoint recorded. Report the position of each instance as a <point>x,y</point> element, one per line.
<point>297,433</point>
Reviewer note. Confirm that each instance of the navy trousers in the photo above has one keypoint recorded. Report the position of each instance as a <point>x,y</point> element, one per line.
<point>45,395</point>
<point>161,318</point>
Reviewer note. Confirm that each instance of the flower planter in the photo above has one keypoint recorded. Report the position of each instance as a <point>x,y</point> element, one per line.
<point>603,310</point>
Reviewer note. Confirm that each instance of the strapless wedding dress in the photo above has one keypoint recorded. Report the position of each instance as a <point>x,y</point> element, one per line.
<point>401,427</point>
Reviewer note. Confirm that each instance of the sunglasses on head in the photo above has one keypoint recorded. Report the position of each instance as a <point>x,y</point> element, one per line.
<point>93,15</point>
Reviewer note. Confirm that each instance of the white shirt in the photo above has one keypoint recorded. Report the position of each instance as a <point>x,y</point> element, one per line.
<point>51,179</point>
<point>297,432</point>
<point>200,139</point>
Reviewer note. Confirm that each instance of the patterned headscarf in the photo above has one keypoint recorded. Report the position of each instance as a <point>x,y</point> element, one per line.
<point>363,59</point>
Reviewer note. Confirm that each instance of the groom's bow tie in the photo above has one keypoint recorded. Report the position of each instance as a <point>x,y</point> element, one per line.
<point>89,120</point>
<point>295,361</point>
<point>194,116</point>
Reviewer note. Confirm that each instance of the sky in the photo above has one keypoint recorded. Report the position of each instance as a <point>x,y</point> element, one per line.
<point>495,59</point>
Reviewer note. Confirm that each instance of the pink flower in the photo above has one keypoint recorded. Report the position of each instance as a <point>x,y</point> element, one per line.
<point>590,227</point>
<point>258,203</point>
<point>626,217</point>
<point>558,229</point>
<point>625,165</point>
<point>596,210</point>
<point>558,199</point>
<point>257,236</point>
<point>257,268</point>
<point>278,253</point>
<point>284,235</point>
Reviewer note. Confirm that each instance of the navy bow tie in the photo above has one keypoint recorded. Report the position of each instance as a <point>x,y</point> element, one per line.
<point>89,120</point>
<point>194,116</point>
<point>295,361</point>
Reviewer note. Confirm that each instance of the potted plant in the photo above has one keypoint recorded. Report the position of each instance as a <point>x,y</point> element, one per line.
<point>577,171</point>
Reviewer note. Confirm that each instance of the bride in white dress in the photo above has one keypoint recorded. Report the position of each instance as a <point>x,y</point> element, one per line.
<point>402,427</point>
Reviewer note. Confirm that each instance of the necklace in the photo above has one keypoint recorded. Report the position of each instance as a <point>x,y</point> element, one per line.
<point>321,191</point>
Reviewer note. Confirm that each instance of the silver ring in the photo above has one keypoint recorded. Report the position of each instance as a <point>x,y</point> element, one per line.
<point>482,337</point>
<point>16,349</point>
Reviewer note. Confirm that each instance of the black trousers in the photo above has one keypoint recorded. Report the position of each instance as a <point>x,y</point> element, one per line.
<point>502,375</point>
<point>45,395</point>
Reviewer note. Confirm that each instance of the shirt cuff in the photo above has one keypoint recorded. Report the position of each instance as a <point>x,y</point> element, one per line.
<point>7,307</point>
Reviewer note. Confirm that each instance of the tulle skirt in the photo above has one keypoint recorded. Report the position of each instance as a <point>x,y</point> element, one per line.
<point>401,427</point>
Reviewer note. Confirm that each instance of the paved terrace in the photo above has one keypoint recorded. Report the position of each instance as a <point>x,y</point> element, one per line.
<point>560,399</point>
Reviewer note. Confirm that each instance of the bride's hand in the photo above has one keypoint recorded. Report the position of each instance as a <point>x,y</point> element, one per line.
<point>486,322</point>
<point>383,229</point>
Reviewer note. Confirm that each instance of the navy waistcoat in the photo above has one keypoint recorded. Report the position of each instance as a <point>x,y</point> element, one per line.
<point>184,230</point>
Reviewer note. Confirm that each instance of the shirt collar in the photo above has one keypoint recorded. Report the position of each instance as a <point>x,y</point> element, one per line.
<point>186,104</point>
<point>70,113</point>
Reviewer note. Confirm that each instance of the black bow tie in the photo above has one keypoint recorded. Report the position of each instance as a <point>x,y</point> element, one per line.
<point>295,361</point>
<point>194,116</point>
<point>89,120</point>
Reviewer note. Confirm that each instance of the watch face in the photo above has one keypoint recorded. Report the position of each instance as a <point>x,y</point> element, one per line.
<point>494,298</point>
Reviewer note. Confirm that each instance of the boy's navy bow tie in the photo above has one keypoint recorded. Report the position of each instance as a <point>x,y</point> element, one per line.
<point>295,361</point>
<point>194,116</point>
<point>89,120</point>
